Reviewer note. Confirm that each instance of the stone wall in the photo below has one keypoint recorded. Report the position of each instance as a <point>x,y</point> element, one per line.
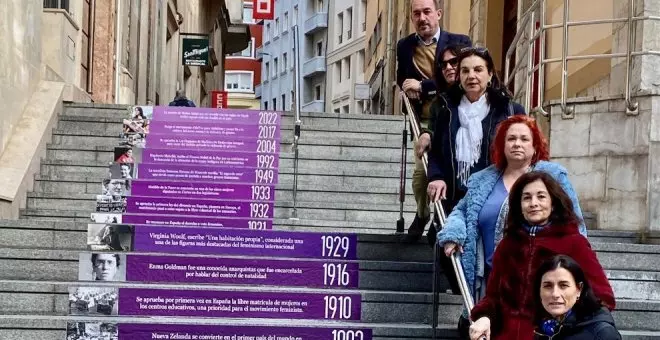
<point>609,156</point>
<point>20,52</point>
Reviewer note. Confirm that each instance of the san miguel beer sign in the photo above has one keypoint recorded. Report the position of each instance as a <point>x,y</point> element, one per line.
<point>263,9</point>
<point>195,51</point>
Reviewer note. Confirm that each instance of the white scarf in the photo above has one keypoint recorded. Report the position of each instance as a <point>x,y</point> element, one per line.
<point>470,134</point>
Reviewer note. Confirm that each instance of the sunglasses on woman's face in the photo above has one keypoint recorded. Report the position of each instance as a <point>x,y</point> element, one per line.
<point>481,51</point>
<point>453,62</point>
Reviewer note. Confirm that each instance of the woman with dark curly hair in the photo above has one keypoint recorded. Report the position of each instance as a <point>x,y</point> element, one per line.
<point>541,224</point>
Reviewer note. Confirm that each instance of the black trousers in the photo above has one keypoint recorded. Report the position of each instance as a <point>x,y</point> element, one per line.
<point>448,269</point>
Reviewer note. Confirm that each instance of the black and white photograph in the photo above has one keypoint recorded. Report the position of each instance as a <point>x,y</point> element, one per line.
<point>110,204</point>
<point>122,171</point>
<point>134,140</point>
<point>116,187</point>
<point>102,267</point>
<point>106,218</point>
<point>93,301</point>
<point>91,331</point>
<point>111,237</point>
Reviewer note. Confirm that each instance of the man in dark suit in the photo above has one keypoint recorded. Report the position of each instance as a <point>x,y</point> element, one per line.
<point>416,56</point>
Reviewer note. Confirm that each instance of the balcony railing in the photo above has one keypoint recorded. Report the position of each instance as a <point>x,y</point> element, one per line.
<point>316,22</point>
<point>313,67</point>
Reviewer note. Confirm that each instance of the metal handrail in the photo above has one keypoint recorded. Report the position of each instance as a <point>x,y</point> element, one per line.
<point>526,19</point>
<point>442,217</point>
<point>297,123</point>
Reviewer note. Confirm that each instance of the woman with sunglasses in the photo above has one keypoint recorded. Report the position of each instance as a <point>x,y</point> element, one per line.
<point>566,306</point>
<point>445,77</point>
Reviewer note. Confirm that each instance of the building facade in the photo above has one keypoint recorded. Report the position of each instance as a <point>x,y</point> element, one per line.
<point>243,69</point>
<point>346,53</point>
<point>277,54</point>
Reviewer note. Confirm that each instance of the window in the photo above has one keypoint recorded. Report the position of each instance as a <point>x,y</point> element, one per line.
<point>275,63</point>
<point>360,107</point>
<point>274,103</point>
<point>317,92</point>
<point>265,105</point>
<point>286,21</point>
<point>348,67</point>
<point>295,15</point>
<point>267,69</point>
<point>239,82</point>
<point>338,71</point>
<point>363,11</point>
<point>247,15</point>
<point>285,62</point>
<point>283,101</point>
<point>293,98</point>
<point>276,27</point>
<point>340,27</point>
<point>337,110</point>
<point>360,64</point>
<point>349,20</point>
<point>319,49</point>
<point>247,53</point>
<point>269,35</point>
<point>320,6</point>
<point>346,109</point>
<point>59,4</point>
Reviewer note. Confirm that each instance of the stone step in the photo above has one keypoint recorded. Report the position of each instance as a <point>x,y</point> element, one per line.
<point>307,192</point>
<point>64,136</point>
<point>99,169</point>
<point>325,152</point>
<point>51,299</point>
<point>35,265</point>
<point>349,129</point>
<point>72,235</point>
<point>18,297</point>
<point>285,179</point>
<point>46,327</point>
<point>307,118</point>
<point>50,327</point>
<point>361,126</point>
<point>336,211</point>
<point>376,229</point>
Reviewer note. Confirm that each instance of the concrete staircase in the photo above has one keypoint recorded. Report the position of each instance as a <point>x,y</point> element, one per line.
<point>349,169</point>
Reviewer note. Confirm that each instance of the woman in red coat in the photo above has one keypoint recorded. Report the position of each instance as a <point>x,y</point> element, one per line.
<point>541,224</point>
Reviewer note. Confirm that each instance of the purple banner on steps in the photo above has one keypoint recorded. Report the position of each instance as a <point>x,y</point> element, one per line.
<point>298,273</point>
<point>196,221</point>
<point>188,332</point>
<point>149,331</point>
<point>187,207</point>
<point>207,158</point>
<point>192,173</point>
<point>274,244</point>
<point>204,190</point>
<point>217,116</point>
<point>213,130</point>
<point>239,304</point>
<point>211,143</point>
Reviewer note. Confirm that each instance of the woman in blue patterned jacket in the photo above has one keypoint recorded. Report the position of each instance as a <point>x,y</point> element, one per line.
<point>476,224</point>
